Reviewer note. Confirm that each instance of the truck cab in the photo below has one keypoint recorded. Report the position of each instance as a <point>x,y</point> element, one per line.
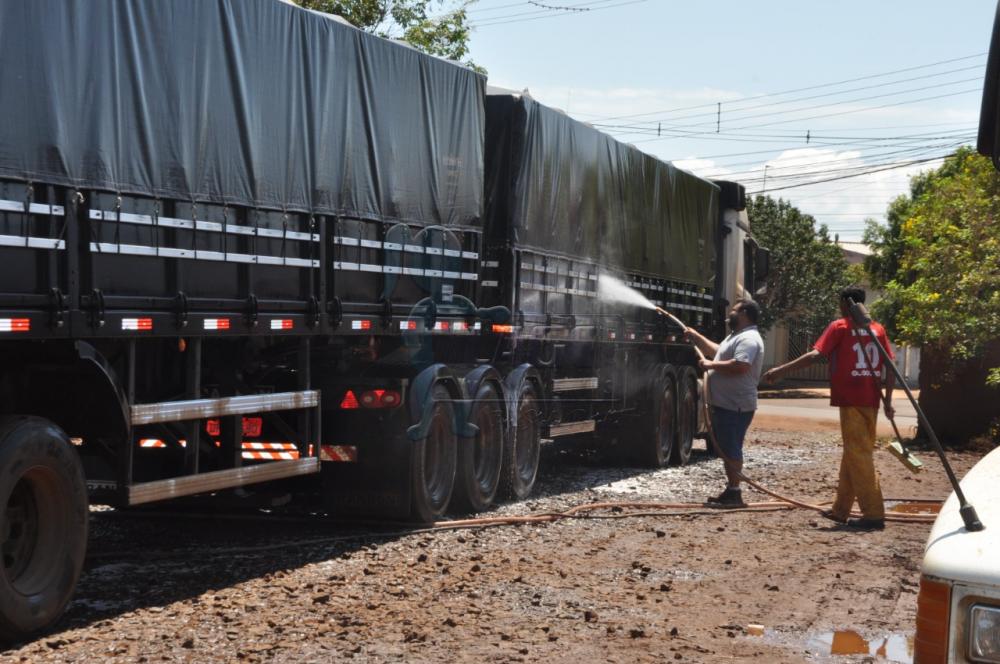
<point>958,608</point>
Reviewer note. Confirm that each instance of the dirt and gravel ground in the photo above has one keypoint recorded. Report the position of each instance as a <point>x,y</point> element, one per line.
<point>679,587</point>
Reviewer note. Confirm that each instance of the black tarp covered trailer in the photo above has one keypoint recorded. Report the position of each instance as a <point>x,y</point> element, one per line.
<point>216,145</point>
<point>574,202</point>
<point>209,209</point>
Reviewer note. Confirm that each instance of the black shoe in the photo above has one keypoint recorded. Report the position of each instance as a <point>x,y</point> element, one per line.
<point>728,498</point>
<point>866,524</point>
<point>828,514</point>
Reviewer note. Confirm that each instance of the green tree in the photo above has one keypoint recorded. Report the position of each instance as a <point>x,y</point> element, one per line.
<point>437,27</point>
<point>807,266</point>
<point>887,244</point>
<point>940,259</point>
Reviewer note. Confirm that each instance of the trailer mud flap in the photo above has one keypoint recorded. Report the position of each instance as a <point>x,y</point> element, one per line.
<point>377,485</point>
<point>422,403</point>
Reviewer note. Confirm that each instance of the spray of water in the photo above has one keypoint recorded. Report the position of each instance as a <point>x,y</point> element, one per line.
<point>610,289</point>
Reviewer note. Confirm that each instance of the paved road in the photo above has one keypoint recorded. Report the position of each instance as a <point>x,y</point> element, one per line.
<point>816,414</point>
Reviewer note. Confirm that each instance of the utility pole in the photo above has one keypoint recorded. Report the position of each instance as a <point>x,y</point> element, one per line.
<point>764,187</point>
<point>718,116</point>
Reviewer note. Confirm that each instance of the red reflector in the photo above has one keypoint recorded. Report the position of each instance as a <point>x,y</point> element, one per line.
<point>407,324</point>
<point>369,399</point>
<point>390,399</point>
<point>252,426</point>
<point>350,401</point>
<point>503,329</point>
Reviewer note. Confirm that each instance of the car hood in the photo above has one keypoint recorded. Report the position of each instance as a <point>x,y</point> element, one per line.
<point>952,552</point>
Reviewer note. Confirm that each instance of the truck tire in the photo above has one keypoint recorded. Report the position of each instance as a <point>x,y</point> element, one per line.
<point>523,448</point>
<point>480,459</point>
<point>433,461</point>
<point>687,415</point>
<point>658,430</point>
<point>44,526</point>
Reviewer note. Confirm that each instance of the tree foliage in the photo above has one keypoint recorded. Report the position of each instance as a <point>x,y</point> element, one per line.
<point>437,27</point>
<point>807,266</point>
<point>939,259</point>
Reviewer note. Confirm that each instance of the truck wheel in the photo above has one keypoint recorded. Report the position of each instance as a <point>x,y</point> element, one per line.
<point>479,460</point>
<point>44,526</point>
<point>659,430</point>
<point>434,458</point>
<point>521,453</point>
<point>687,415</point>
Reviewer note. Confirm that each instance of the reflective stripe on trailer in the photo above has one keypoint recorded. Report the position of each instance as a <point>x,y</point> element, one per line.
<point>344,453</point>
<point>137,324</point>
<point>15,324</point>
<point>251,450</point>
<point>269,451</point>
<point>270,456</point>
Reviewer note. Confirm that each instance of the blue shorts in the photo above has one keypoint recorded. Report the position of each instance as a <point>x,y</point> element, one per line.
<point>730,428</point>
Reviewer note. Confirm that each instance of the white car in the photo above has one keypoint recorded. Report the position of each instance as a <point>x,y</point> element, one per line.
<point>958,608</point>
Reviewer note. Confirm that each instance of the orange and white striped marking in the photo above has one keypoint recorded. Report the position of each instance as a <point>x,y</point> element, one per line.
<point>270,451</point>
<point>254,451</point>
<point>342,453</point>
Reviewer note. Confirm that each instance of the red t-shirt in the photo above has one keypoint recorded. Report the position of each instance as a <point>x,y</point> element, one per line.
<point>851,382</point>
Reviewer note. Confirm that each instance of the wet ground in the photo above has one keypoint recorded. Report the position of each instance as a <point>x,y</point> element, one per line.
<point>769,586</point>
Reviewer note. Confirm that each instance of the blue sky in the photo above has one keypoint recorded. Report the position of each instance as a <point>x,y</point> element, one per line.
<point>646,59</point>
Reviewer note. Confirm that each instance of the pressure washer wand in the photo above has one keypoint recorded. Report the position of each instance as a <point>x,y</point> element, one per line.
<point>863,319</point>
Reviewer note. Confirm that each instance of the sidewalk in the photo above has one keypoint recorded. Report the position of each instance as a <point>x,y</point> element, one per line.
<point>807,408</point>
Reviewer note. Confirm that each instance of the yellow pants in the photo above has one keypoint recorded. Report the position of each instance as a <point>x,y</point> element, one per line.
<point>858,478</point>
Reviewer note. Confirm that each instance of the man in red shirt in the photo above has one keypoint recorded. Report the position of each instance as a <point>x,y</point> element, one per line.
<point>855,386</point>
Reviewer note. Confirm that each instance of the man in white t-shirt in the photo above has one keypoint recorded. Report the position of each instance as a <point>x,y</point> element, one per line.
<point>732,374</point>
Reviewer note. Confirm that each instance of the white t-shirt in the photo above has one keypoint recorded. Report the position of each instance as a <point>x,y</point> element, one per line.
<point>738,392</point>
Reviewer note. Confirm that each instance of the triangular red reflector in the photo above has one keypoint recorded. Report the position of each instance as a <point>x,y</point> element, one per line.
<point>350,401</point>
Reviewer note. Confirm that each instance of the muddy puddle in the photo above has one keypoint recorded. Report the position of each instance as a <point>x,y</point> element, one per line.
<point>891,648</point>
<point>895,648</point>
<point>927,508</point>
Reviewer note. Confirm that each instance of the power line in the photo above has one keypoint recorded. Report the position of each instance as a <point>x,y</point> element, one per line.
<point>811,87</point>
<point>681,128</point>
<point>819,96</point>
<point>785,148</point>
<point>534,15</point>
<point>844,177</point>
<point>771,169</point>
<point>825,115</point>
